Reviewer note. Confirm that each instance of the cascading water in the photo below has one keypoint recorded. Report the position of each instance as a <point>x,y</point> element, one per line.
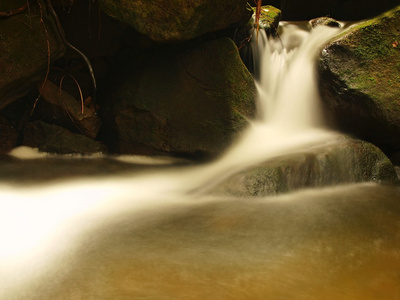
<point>42,228</point>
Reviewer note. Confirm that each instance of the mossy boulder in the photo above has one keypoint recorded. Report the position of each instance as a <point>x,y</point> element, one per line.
<point>269,18</point>
<point>177,20</point>
<point>360,78</point>
<point>344,161</point>
<point>186,102</point>
<point>24,42</point>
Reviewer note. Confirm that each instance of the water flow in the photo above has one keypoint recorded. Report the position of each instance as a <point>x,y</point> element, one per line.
<point>39,223</point>
<point>289,111</point>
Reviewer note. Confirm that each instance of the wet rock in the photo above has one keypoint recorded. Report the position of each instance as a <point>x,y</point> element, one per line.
<point>324,21</point>
<point>179,20</point>
<point>58,106</point>
<point>359,80</point>
<point>344,161</point>
<point>190,102</point>
<point>55,139</point>
<point>8,136</point>
<point>24,43</point>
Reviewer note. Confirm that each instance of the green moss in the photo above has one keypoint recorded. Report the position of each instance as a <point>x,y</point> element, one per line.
<point>269,17</point>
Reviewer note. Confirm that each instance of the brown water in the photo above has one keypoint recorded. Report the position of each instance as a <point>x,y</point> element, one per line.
<point>333,243</point>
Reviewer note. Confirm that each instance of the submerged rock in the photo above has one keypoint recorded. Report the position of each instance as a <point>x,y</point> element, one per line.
<point>177,20</point>
<point>360,78</point>
<point>55,139</point>
<point>191,102</point>
<point>324,21</point>
<point>24,45</point>
<point>345,161</point>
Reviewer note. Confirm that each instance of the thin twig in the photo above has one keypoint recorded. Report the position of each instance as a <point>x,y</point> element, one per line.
<point>80,93</point>
<point>68,44</point>
<point>48,57</point>
<point>13,12</point>
<point>65,108</point>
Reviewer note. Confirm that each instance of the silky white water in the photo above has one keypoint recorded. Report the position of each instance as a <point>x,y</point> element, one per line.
<point>41,226</point>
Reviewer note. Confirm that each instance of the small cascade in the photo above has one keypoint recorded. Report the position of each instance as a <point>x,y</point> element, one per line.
<point>289,112</point>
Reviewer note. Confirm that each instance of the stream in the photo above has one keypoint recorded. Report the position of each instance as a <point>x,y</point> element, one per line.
<point>133,227</point>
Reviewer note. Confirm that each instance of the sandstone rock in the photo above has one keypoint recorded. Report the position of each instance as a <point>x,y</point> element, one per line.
<point>359,80</point>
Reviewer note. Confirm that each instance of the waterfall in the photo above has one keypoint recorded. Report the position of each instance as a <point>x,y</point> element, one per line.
<point>289,111</point>
<point>35,222</point>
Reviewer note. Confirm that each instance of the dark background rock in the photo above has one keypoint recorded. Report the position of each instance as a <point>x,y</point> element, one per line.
<point>8,136</point>
<point>306,9</point>
<point>187,101</point>
<point>177,20</point>
<point>344,10</point>
<point>24,49</point>
<point>54,139</point>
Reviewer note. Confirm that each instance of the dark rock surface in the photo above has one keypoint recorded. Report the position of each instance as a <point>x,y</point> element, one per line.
<point>167,21</point>
<point>8,136</point>
<point>55,139</point>
<point>193,101</point>
<point>27,46</point>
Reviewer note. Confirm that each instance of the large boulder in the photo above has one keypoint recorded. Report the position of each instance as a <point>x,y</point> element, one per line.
<point>359,80</point>
<point>25,39</point>
<point>167,20</point>
<point>188,102</point>
<point>344,161</point>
